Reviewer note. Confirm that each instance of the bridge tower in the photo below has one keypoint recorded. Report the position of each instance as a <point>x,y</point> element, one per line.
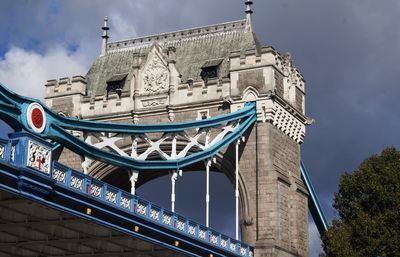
<point>198,73</point>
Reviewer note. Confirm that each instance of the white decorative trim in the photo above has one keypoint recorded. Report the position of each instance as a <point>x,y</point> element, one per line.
<point>273,112</point>
<point>269,110</point>
<point>288,124</point>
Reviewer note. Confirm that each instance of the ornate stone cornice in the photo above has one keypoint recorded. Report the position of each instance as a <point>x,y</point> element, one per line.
<point>270,109</point>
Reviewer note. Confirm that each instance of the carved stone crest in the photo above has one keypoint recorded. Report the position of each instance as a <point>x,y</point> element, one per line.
<point>39,157</point>
<point>155,76</point>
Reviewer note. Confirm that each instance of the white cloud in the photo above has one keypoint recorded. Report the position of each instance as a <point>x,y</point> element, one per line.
<point>122,28</point>
<point>25,72</point>
<point>314,240</point>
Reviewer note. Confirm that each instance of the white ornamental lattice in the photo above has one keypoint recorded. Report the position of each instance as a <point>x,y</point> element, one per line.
<point>96,190</point>
<point>192,230</point>
<point>2,150</point>
<point>202,234</point>
<point>111,197</point>
<point>165,147</point>
<point>12,155</point>
<point>141,209</point>
<point>125,202</point>
<point>243,251</point>
<point>60,176</point>
<point>155,214</point>
<point>76,183</point>
<point>180,225</point>
<point>224,243</point>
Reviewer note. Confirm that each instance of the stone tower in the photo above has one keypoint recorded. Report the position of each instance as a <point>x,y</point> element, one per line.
<point>198,73</point>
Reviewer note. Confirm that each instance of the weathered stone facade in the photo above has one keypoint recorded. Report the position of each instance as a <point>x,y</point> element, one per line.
<point>205,72</point>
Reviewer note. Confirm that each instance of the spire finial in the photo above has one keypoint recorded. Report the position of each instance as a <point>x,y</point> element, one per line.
<point>105,29</point>
<point>249,14</point>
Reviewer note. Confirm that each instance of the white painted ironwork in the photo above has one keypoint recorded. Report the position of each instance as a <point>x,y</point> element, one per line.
<point>111,197</point>
<point>224,243</point>
<point>12,155</point>
<point>202,234</point>
<point>141,209</point>
<point>125,202</point>
<point>214,239</point>
<point>243,251</point>
<point>164,147</point>
<point>166,219</point>
<point>232,247</point>
<point>181,225</point>
<point>96,190</point>
<point>237,186</point>
<point>192,230</point>
<point>155,214</point>
<point>133,177</point>
<point>2,150</point>
<point>208,165</point>
<point>174,178</point>
<point>76,183</point>
<point>60,176</point>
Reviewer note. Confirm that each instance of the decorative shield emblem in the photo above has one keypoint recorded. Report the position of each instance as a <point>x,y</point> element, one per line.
<point>36,117</point>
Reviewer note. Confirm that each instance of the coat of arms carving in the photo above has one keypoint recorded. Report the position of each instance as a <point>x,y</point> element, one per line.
<point>39,157</point>
<point>155,76</point>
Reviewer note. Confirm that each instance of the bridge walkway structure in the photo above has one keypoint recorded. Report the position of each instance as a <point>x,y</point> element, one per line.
<point>67,196</point>
<point>49,209</point>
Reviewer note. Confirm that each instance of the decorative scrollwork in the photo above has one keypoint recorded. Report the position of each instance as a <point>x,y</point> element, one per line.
<point>60,176</point>
<point>76,183</point>
<point>125,202</point>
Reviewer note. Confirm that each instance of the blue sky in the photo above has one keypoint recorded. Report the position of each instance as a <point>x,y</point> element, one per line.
<point>348,52</point>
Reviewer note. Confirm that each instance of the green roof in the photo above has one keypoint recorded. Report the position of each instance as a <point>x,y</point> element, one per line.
<point>194,48</point>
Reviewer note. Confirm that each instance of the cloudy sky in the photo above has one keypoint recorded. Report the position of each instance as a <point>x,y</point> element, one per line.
<point>348,51</point>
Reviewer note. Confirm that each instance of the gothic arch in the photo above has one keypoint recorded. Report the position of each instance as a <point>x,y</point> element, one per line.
<point>250,94</point>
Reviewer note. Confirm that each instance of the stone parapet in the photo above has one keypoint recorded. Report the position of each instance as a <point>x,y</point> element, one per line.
<point>266,70</point>
<point>66,86</point>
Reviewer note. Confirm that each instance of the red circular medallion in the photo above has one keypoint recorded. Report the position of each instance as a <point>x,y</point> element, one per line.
<point>37,118</point>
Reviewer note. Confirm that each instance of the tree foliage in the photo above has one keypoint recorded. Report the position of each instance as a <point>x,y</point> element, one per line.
<point>368,203</point>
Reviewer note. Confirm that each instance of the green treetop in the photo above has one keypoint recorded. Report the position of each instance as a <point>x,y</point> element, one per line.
<point>368,203</point>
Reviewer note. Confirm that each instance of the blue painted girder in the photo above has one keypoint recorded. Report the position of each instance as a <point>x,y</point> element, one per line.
<point>313,202</point>
<point>13,109</point>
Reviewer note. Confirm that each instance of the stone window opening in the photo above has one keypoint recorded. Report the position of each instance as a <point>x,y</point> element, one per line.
<point>115,84</point>
<point>203,114</point>
<point>210,69</point>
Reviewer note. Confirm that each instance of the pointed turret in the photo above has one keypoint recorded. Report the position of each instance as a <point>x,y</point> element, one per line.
<point>249,16</point>
<point>105,29</point>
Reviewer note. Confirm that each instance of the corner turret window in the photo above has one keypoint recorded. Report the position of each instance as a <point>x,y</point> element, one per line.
<point>115,84</point>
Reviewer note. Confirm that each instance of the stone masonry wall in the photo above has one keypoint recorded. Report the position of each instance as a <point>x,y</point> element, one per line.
<point>279,209</point>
